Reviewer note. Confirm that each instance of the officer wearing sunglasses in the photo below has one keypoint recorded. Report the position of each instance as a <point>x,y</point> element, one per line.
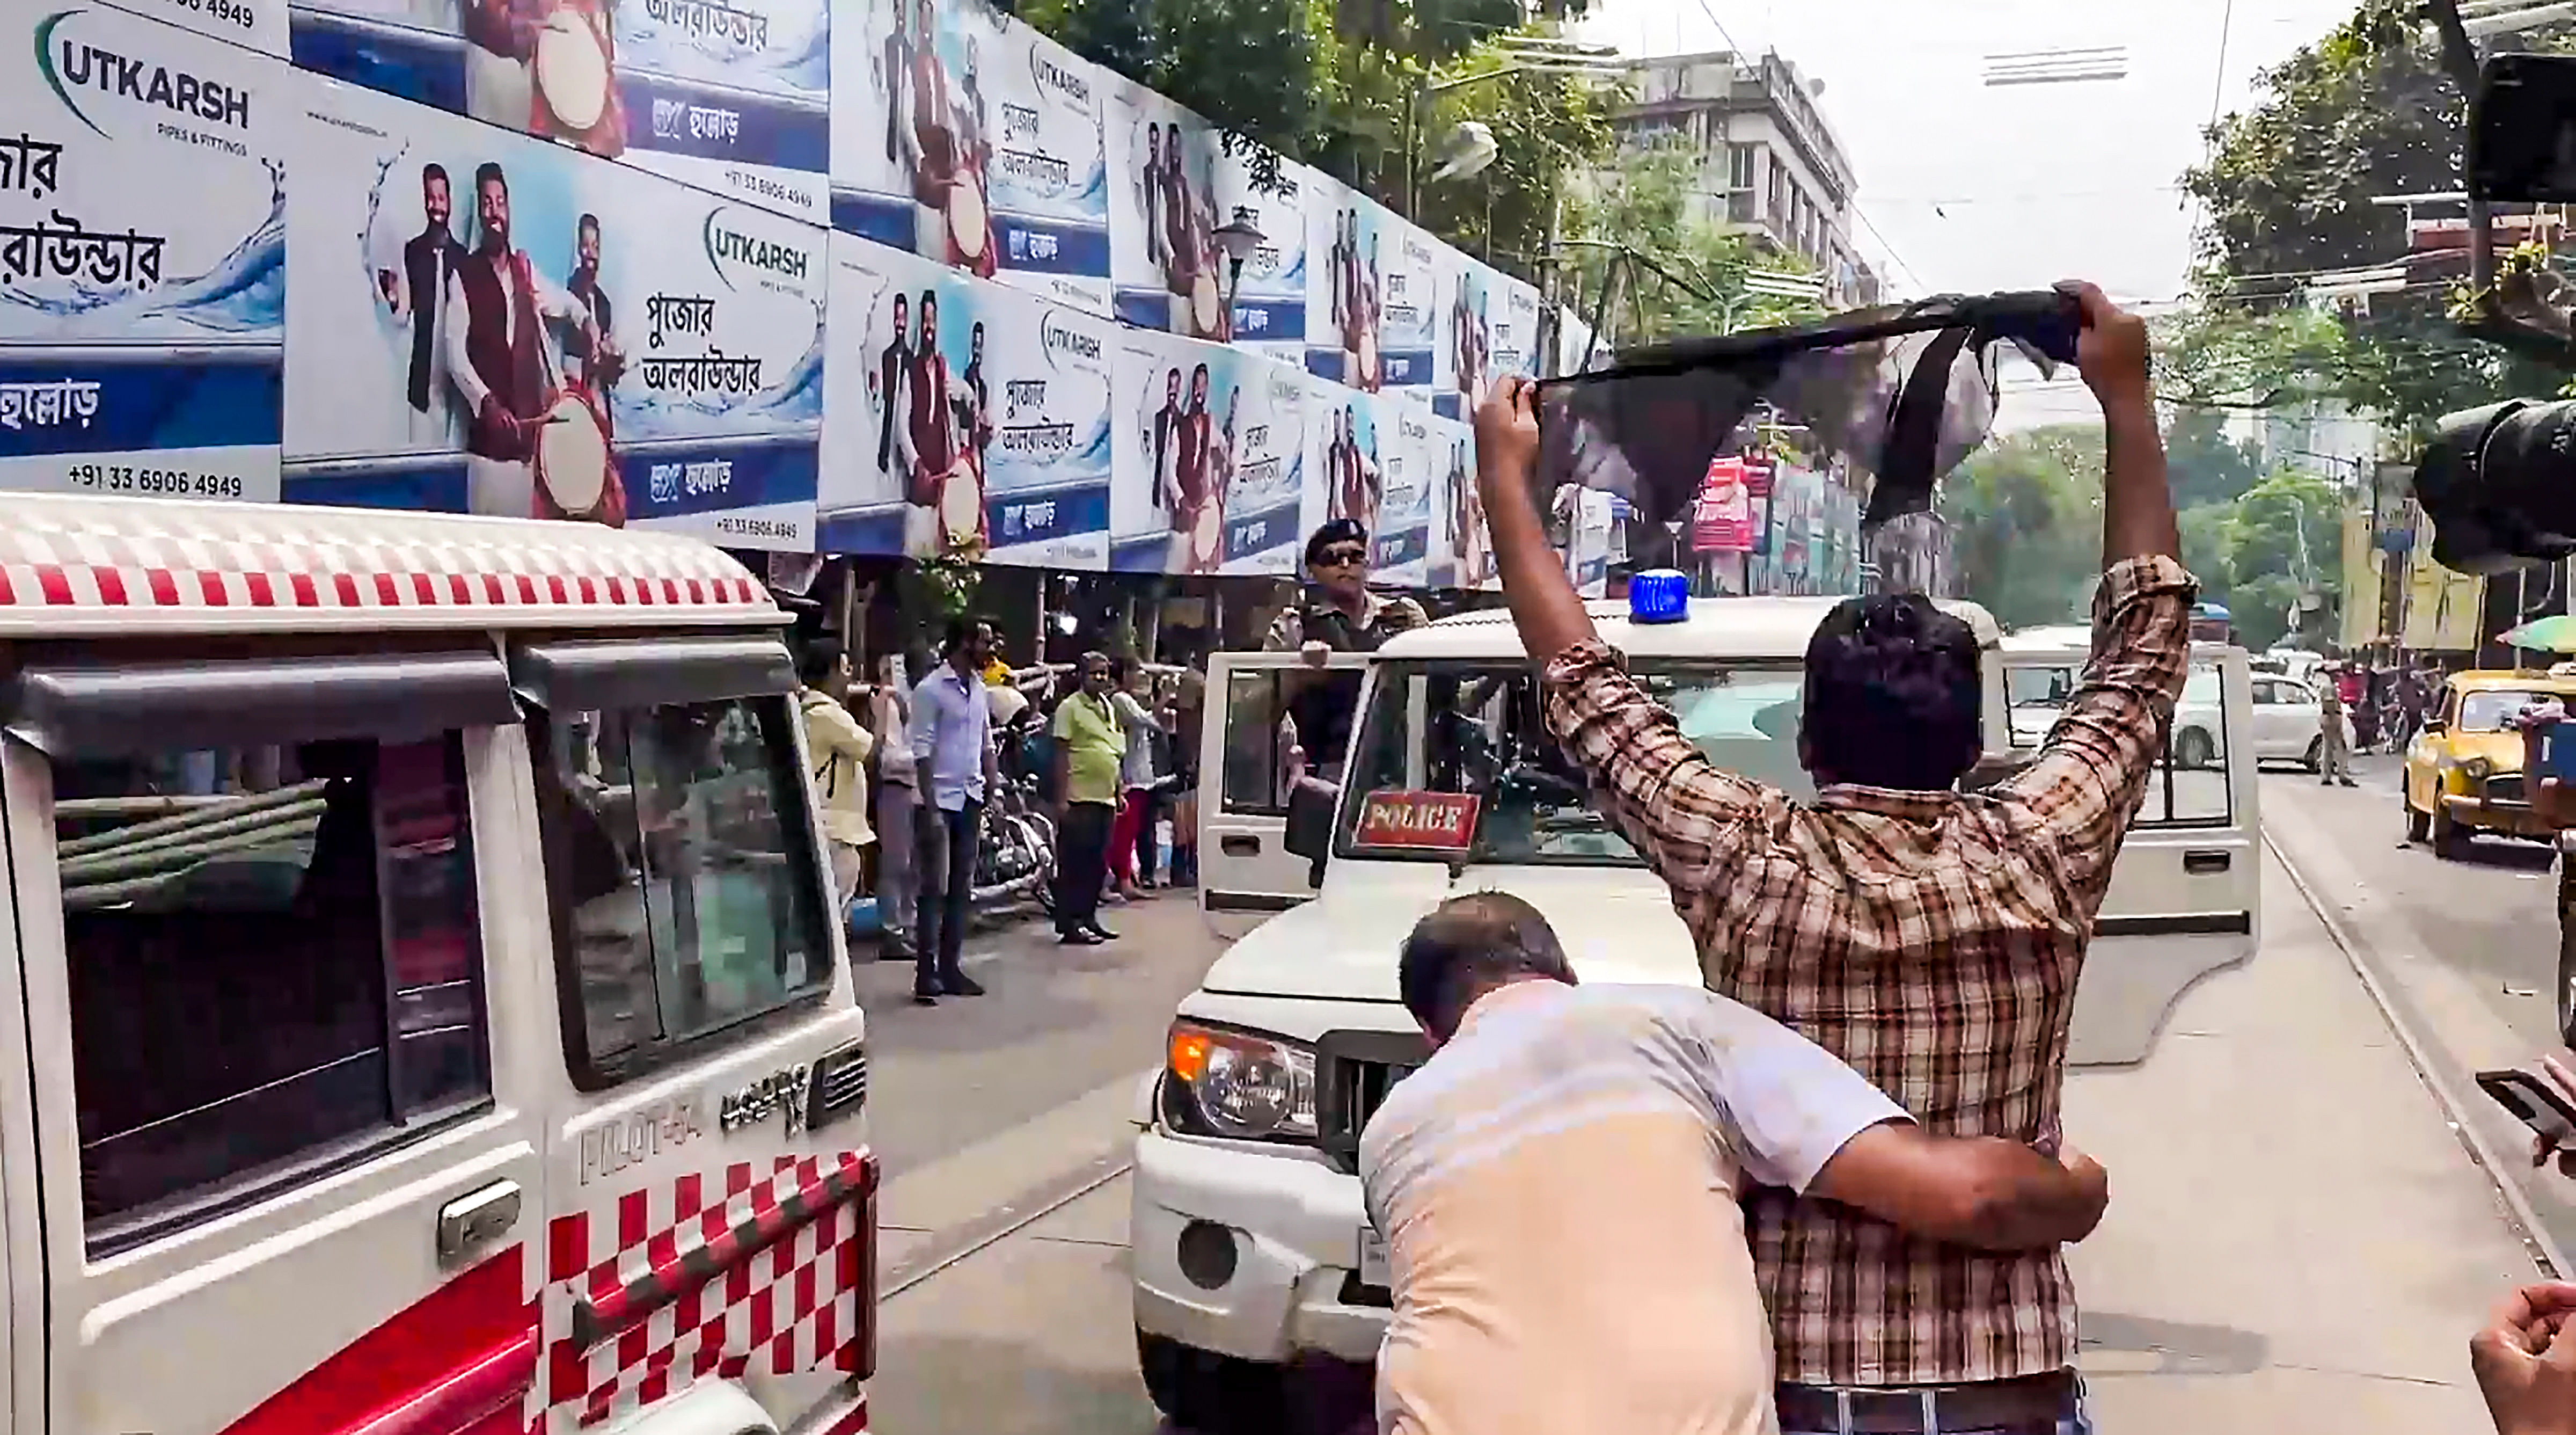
<point>1336,613</point>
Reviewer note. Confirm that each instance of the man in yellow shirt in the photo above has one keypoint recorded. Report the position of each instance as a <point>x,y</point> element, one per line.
<point>837,747</point>
<point>1090,747</point>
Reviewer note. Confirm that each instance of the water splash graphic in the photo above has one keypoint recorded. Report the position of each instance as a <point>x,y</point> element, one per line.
<point>241,298</point>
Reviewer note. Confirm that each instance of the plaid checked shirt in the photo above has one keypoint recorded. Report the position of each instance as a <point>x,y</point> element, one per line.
<point>1930,940</point>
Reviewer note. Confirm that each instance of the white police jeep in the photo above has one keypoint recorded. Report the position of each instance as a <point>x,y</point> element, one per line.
<point>1249,1244</point>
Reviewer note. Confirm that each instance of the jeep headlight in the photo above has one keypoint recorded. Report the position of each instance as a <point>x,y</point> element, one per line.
<point>1218,1082</point>
<point>2477,768</point>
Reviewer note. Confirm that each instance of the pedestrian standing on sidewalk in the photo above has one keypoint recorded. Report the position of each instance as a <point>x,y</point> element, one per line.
<point>1930,938</point>
<point>952,758</point>
<point>1131,837</point>
<point>1648,1110</point>
<point>2334,753</point>
<point>838,748</point>
<point>1090,747</point>
<point>889,716</point>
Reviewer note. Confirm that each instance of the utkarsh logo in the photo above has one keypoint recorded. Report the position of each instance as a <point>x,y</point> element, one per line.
<point>70,65</point>
<point>1060,338</point>
<point>728,246</point>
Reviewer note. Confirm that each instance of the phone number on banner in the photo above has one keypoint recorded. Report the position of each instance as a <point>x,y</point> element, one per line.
<point>133,481</point>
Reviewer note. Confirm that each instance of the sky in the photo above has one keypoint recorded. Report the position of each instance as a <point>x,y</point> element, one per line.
<point>1965,189</point>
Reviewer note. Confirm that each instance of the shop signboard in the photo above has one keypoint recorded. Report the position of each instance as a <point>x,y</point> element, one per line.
<point>480,321</point>
<point>142,258</point>
<point>732,96</point>
<point>962,135</point>
<point>1173,182</point>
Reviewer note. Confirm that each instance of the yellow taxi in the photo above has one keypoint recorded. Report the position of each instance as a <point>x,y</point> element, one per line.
<point>2464,771</point>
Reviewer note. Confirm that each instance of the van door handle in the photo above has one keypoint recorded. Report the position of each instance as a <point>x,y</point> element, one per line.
<point>2205,863</point>
<point>476,1217</point>
<point>1239,846</point>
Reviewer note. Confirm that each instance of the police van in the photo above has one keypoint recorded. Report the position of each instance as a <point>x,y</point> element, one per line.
<point>423,1010</point>
<point>1249,1246</point>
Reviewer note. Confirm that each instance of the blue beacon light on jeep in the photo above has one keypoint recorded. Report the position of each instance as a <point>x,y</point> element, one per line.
<point>1660,595</point>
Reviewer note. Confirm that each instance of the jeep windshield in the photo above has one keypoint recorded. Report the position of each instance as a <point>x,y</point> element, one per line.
<point>1453,762</point>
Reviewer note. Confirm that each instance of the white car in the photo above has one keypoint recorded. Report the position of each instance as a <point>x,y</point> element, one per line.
<point>1249,1247</point>
<point>2285,726</point>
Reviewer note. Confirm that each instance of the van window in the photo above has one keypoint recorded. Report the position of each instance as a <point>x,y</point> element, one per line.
<point>273,960</point>
<point>686,890</point>
<point>2189,785</point>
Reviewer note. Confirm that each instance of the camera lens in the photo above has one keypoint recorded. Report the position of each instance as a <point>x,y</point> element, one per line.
<point>2499,483</point>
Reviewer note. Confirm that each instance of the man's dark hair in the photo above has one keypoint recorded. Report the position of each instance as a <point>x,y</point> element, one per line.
<point>817,661</point>
<point>587,221</point>
<point>961,631</point>
<point>1330,532</point>
<point>902,301</point>
<point>433,170</point>
<point>489,173</point>
<point>1467,947</point>
<point>1893,696</point>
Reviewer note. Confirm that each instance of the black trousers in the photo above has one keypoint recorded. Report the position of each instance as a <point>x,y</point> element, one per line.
<point>944,859</point>
<point>1081,863</point>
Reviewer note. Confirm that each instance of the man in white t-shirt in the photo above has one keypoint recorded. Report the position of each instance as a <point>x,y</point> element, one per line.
<point>1557,1187</point>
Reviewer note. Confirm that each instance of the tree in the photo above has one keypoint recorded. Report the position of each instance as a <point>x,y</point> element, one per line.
<point>2026,519</point>
<point>1684,274</point>
<point>2284,545</point>
<point>2205,465</point>
<point>2364,113</point>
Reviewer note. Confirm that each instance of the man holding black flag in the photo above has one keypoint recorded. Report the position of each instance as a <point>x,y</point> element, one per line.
<point>1931,939</point>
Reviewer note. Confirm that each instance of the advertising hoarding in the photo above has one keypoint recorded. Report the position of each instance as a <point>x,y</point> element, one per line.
<point>962,135</point>
<point>1214,469</point>
<point>1372,299</point>
<point>733,96</point>
<point>142,258</point>
<point>1172,184</point>
<point>480,321</point>
<point>964,419</point>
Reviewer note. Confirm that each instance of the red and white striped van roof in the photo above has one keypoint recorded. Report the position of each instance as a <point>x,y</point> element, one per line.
<point>73,565</point>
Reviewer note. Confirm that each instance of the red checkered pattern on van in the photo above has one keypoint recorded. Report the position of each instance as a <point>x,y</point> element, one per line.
<point>773,1274</point>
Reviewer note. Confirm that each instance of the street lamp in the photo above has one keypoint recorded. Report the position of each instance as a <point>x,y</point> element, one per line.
<point>1240,239</point>
<point>1471,144</point>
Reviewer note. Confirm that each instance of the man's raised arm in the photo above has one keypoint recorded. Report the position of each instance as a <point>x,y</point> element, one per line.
<point>2087,780</point>
<point>1681,812</point>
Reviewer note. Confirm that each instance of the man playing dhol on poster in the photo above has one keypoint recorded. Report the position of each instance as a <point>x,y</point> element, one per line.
<point>1207,552</point>
<point>503,85</point>
<point>1190,476</point>
<point>940,522</point>
<point>419,295</point>
<point>1150,187</point>
<point>497,305</point>
<point>595,364</point>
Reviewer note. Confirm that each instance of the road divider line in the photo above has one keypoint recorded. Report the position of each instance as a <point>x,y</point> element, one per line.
<point>2365,961</point>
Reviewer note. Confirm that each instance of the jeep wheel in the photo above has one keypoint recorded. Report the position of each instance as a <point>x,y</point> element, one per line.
<point>1210,1394</point>
<point>2193,749</point>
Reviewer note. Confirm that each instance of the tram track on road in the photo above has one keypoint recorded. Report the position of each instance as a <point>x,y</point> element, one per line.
<point>952,1246</point>
<point>2432,1062</point>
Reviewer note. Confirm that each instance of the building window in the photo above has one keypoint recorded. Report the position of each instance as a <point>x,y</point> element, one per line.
<point>1740,162</point>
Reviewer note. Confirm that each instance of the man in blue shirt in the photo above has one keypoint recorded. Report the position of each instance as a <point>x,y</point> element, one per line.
<point>952,754</point>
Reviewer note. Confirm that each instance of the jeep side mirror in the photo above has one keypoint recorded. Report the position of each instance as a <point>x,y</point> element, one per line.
<point>1311,803</point>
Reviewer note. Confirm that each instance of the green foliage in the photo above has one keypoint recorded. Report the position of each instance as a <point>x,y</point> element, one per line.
<point>2363,113</point>
<point>2026,520</point>
<point>2206,466</point>
<point>1684,274</point>
<point>2285,539</point>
